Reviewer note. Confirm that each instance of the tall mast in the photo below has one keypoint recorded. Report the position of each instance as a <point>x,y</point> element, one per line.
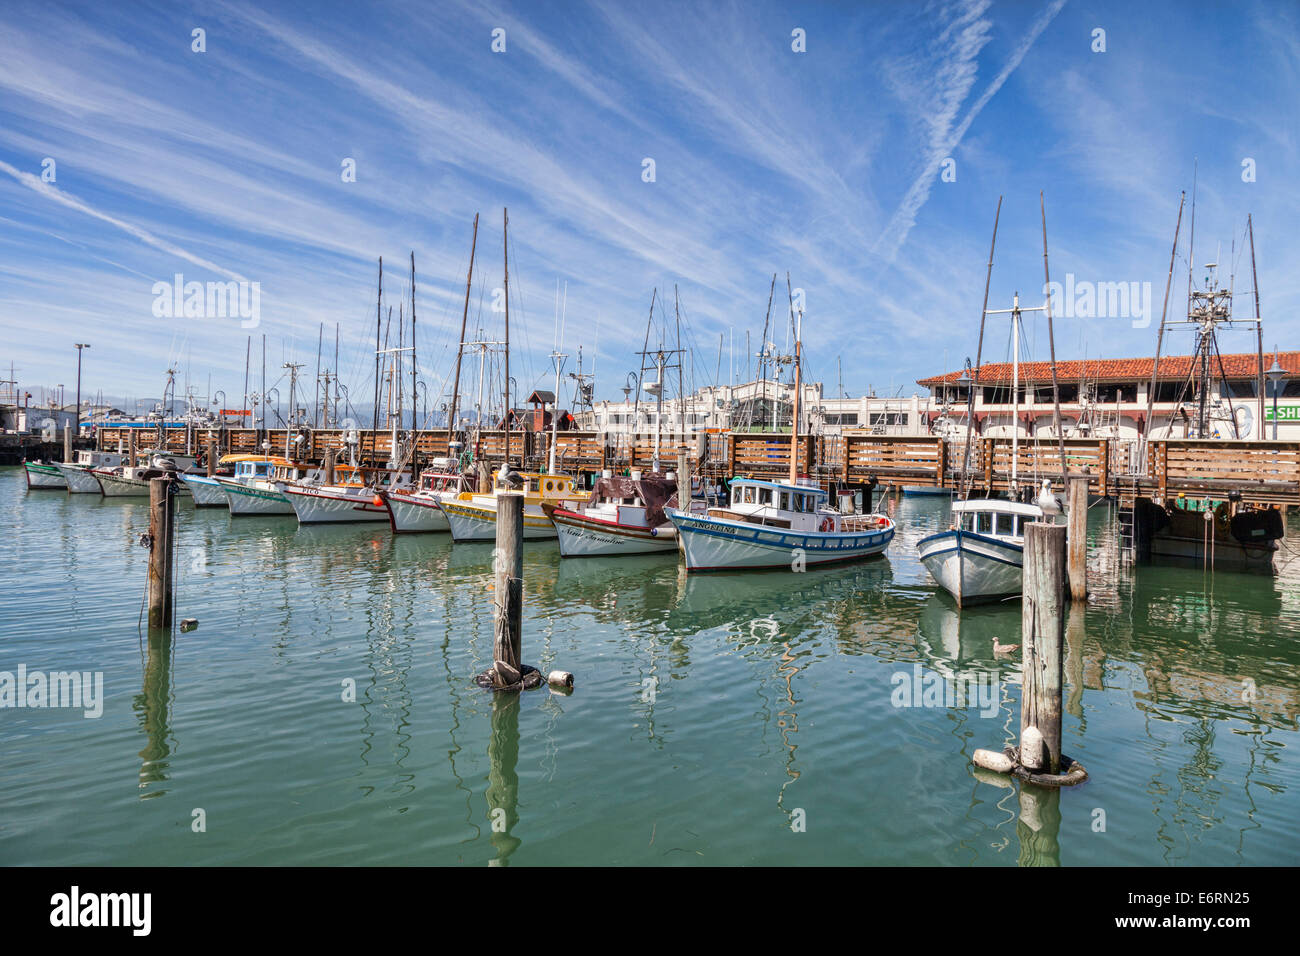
<point>979,356</point>
<point>681,394</point>
<point>460,350</point>
<point>794,425</point>
<point>415,405</point>
<point>505,255</point>
<point>1164,311</point>
<point>379,322</point>
<point>1259,327</point>
<point>1051,345</point>
<point>1015,389</point>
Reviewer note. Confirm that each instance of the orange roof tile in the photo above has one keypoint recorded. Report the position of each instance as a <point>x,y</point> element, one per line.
<point>1172,368</point>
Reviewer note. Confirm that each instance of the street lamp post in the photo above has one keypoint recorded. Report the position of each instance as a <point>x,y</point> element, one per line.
<point>77,427</point>
<point>1276,373</point>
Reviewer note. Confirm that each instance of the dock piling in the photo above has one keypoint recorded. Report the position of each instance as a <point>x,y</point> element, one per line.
<point>1043,627</point>
<point>509,580</point>
<point>161,531</point>
<point>1077,537</point>
<point>67,444</point>
<point>212,457</point>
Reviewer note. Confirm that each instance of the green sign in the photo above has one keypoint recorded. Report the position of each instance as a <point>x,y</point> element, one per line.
<point>1285,413</point>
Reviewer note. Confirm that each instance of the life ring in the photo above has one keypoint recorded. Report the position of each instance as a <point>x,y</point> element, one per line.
<point>828,524</point>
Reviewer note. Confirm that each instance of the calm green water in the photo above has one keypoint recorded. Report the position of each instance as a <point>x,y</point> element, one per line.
<point>709,712</point>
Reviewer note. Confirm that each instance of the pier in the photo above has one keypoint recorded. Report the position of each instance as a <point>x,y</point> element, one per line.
<point>1259,473</point>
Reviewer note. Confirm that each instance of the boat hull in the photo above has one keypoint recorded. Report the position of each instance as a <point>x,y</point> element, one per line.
<point>245,501</point>
<point>410,514</point>
<point>117,486</point>
<point>582,537</point>
<point>81,480</point>
<point>44,476</point>
<point>207,492</point>
<point>470,522</point>
<point>973,568</point>
<point>1216,555</point>
<point>720,544</point>
<point>317,507</point>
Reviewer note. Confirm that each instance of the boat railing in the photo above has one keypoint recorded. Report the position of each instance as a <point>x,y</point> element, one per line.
<point>861,523</point>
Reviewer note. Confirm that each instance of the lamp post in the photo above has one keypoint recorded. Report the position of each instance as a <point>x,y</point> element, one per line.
<point>80,346</point>
<point>1276,373</point>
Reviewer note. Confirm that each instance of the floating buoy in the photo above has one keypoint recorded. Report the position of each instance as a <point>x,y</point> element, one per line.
<point>993,760</point>
<point>377,501</point>
<point>560,679</point>
<point>1032,749</point>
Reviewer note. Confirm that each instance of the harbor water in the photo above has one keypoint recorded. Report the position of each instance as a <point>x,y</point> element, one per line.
<point>324,710</point>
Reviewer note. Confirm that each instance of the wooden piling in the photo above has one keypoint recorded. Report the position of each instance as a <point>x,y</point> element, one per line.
<point>1043,627</point>
<point>212,456</point>
<point>130,448</point>
<point>67,444</point>
<point>161,532</point>
<point>1077,537</point>
<point>329,465</point>
<point>508,562</point>
<point>684,480</point>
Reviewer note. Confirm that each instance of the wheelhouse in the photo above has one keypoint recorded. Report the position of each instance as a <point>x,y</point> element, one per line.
<point>997,519</point>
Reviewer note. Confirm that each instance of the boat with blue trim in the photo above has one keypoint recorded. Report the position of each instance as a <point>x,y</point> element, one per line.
<point>980,558</point>
<point>773,524</point>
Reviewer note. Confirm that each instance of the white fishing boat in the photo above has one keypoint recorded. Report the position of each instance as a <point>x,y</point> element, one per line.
<point>127,481</point>
<point>206,491</point>
<point>473,517</point>
<point>256,488</point>
<point>624,515</point>
<point>777,525</point>
<point>80,474</point>
<point>357,497</point>
<point>980,557</point>
<point>42,475</point>
<point>772,524</point>
<point>411,511</point>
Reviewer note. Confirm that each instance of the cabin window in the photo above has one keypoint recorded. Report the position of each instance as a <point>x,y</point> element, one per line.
<point>784,501</point>
<point>747,495</point>
<point>984,522</point>
<point>765,496</point>
<point>1006,524</point>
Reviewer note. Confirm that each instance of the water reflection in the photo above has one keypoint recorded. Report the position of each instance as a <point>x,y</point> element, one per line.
<point>503,777</point>
<point>153,708</point>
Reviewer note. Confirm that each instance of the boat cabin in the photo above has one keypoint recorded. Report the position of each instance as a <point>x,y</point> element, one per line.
<point>780,505</point>
<point>537,485</point>
<point>995,517</point>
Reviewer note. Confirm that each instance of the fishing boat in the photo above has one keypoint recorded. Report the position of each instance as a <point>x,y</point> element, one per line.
<point>1220,536</point>
<point>980,557</point>
<point>772,524</point>
<point>624,515</point>
<point>416,510</point>
<point>208,492</point>
<point>127,481</point>
<point>80,474</point>
<point>257,486</point>
<point>42,475</point>
<point>358,496</point>
<point>473,517</point>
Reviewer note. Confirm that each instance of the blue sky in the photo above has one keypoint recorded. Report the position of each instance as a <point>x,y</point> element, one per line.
<point>226,164</point>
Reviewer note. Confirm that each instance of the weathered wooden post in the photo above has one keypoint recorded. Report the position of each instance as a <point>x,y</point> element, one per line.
<point>67,444</point>
<point>130,448</point>
<point>1077,537</point>
<point>161,532</point>
<point>212,455</point>
<point>508,562</point>
<point>329,465</point>
<point>1042,628</point>
<point>684,480</point>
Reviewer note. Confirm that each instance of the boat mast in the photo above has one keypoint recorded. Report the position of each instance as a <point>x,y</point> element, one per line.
<point>794,421</point>
<point>1259,326</point>
<point>558,357</point>
<point>1015,390</point>
<point>379,321</point>
<point>1051,345</point>
<point>460,350</point>
<point>1160,335</point>
<point>505,256</point>
<point>979,356</point>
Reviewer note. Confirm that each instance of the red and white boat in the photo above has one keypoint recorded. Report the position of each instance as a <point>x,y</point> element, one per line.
<point>625,515</point>
<point>416,510</point>
<point>359,497</point>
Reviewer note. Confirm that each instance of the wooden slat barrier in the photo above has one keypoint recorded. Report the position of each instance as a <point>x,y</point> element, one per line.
<point>1263,472</point>
<point>893,459</point>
